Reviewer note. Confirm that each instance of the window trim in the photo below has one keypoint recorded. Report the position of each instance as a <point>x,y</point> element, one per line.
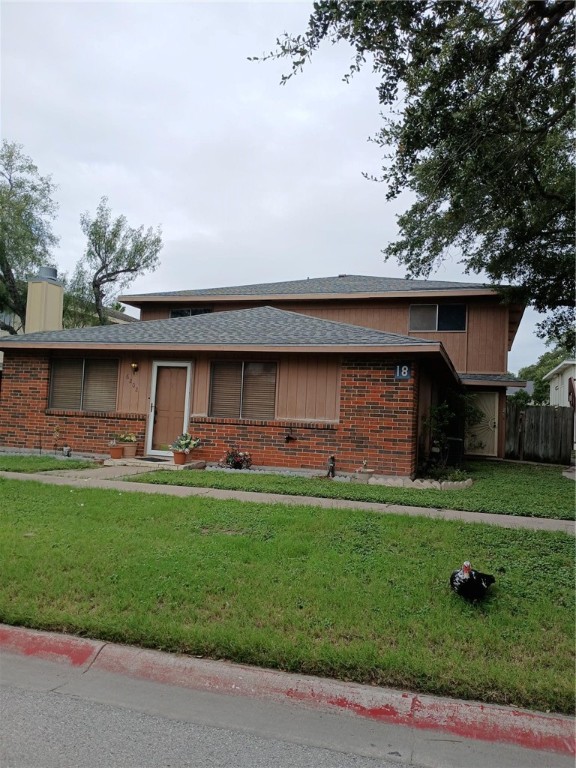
<point>243,364</point>
<point>436,329</point>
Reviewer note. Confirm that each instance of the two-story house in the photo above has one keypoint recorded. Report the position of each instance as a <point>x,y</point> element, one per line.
<point>294,372</point>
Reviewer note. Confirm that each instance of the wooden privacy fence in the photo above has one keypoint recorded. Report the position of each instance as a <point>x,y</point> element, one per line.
<point>539,433</point>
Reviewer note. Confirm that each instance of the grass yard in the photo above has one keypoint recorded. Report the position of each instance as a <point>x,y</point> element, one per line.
<point>510,489</point>
<point>338,593</point>
<point>17,463</point>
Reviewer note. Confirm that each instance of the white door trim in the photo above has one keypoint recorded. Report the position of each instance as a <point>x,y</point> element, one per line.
<point>156,364</point>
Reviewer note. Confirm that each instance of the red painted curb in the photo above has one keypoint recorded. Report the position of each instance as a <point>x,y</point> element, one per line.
<point>467,719</point>
<point>48,645</point>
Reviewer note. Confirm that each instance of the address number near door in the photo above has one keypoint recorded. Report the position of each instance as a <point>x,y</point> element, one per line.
<point>403,372</point>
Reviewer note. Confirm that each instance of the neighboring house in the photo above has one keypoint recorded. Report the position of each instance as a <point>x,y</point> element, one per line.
<point>562,382</point>
<point>293,372</point>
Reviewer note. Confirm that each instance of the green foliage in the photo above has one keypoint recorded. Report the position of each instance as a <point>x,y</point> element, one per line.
<point>340,593</point>
<point>115,255</point>
<point>507,489</point>
<point>521,398</point>
<point>480,128</point>
<point>26,238</point>
<point>538,370</point>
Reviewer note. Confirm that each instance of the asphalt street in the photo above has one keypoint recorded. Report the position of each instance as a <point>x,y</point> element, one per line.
<point>55,716</point>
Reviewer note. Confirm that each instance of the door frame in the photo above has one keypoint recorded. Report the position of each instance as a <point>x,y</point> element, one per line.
<point>156,364</point>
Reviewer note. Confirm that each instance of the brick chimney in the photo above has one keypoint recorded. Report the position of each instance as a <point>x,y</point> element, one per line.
<point>45,301</point>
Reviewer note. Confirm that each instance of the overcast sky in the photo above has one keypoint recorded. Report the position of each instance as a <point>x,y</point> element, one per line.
<point>156,106</point>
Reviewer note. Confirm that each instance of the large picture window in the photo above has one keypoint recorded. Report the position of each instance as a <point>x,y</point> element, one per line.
<point>438,317</point>
<point>243,390</point>
<point>80,384</point>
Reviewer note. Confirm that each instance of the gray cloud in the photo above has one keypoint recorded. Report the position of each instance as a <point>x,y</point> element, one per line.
<point>157,107</point>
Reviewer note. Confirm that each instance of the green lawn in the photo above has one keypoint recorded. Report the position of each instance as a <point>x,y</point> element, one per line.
<point>17,463</point>
<point>338,593</point>
<point>512,489</point>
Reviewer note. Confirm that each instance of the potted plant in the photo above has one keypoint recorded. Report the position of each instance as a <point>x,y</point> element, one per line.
<point>129,444</point>
<point>237,459</point>
<point>116,449</point>
<point>182,448</point>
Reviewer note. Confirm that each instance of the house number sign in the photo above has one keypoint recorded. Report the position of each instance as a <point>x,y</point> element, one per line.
<point>403,372</point>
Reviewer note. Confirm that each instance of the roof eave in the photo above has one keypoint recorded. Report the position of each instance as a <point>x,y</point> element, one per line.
<point>558,369</point>
<point>150,298</point>
<point>299,348</point>
<point>494,383</point>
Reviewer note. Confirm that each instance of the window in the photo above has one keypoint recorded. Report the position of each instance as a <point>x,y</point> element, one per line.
<point>243,390</point>
<point>189,311</point>
<point>438,317</point>
<point>84,385</point>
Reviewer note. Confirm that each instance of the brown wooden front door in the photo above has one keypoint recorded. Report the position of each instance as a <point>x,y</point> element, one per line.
<point>169,403</point>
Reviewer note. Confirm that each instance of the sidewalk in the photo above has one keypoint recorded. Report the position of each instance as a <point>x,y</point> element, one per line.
<point>108,477</point>
<point>464,719</point>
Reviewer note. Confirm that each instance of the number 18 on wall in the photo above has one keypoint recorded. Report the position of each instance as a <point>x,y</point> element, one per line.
<point>403,372</point>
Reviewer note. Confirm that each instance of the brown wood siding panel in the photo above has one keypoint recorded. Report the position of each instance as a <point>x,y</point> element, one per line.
<point>134,386</point>
<point>392,317</point>
<point>200,387</point>
<point>455,343</point>
<point>308,389</point>
<point>487,339</point>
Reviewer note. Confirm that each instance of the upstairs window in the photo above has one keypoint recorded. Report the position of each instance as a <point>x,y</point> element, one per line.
<point>243,390</point>
<point>189,311</point>
<point>438,317</point>
<point>79,384</point>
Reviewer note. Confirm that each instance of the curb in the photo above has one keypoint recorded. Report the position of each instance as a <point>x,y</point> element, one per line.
<point>467,719</point>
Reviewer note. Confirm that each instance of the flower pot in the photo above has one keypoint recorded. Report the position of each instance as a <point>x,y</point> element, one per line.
<point>130,450</point>
<point>116,451</point>
<point>180,457</point>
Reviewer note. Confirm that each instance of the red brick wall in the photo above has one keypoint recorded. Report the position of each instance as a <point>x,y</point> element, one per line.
<point>25,421</point>
<point>378,422</point>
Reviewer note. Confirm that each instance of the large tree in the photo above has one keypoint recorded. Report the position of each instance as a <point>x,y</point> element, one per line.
<point>479,126</point>
<point>115,255</point>
<point>26,237</point>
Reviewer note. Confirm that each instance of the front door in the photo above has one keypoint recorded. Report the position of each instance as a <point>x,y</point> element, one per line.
<point>482,438</point>
<point>169,405</point>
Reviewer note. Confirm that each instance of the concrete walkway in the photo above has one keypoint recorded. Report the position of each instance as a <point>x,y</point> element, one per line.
<point>109,477</point>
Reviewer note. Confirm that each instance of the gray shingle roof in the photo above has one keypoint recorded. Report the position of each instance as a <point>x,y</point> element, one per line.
<point>504,378</point>
<point>259,327</point>
<point>341,284</point>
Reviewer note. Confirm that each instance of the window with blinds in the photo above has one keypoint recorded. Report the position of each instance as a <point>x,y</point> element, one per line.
<point>243,390</point>
<point>84,385</point>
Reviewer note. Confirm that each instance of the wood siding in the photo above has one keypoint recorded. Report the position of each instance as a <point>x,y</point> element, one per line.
<point>487,339</point>
<point>134,386</point>
<point>308,389</point>
<point>482,348</point>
